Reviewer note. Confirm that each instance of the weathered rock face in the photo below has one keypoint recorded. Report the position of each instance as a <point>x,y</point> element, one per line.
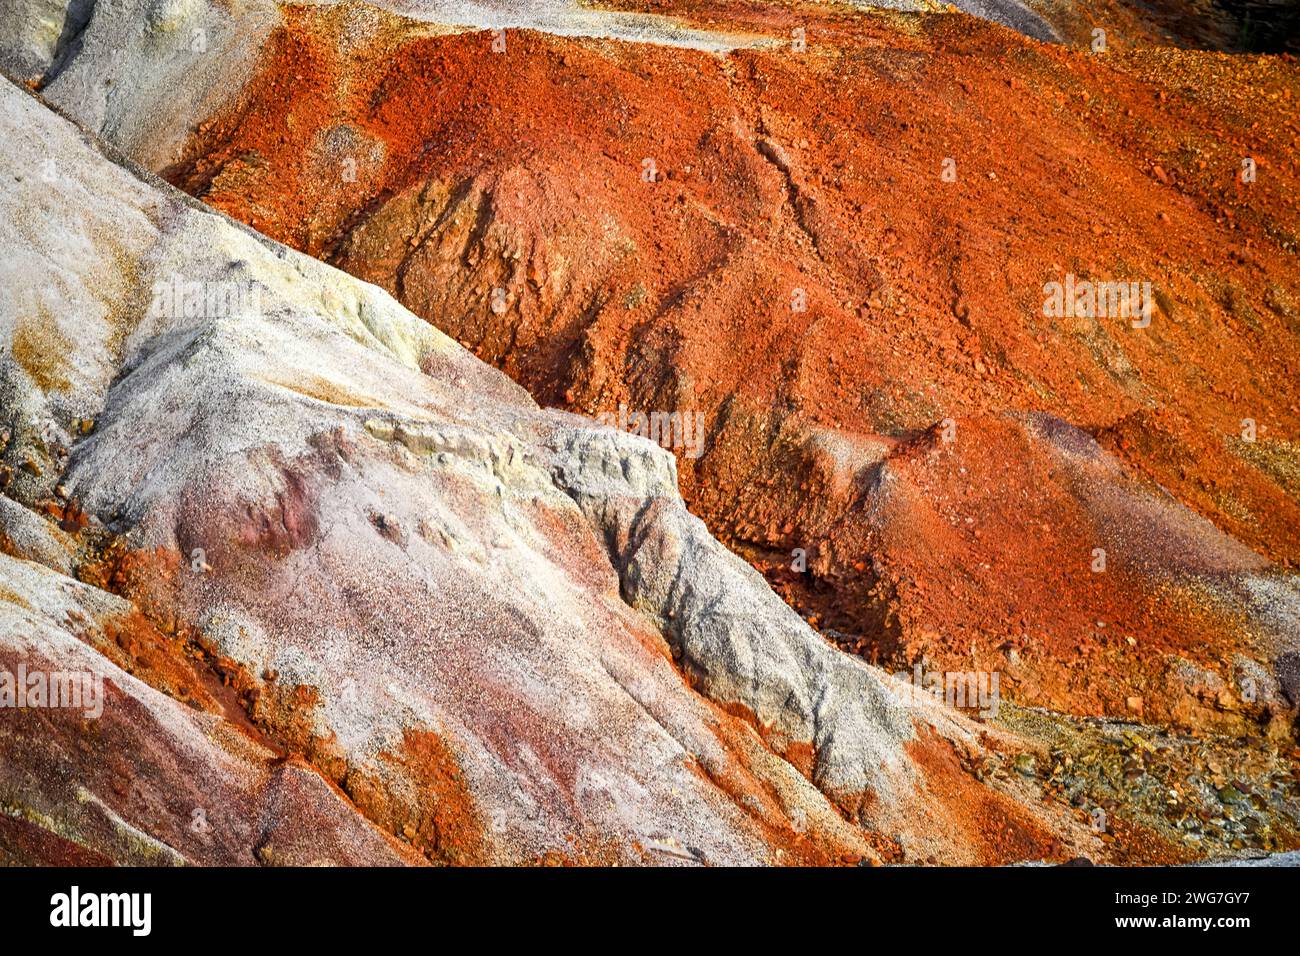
<point>379,595</point>
<point>135,777</point>
<point>371,604</point>
<point>140,72</point>
<point>34,34</point>
<point>809,288</point>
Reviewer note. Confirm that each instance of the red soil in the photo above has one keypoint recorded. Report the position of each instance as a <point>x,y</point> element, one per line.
<point>26,844</point>
<point>999,830</point>
<point>441,821</point>
<point>821,171</point>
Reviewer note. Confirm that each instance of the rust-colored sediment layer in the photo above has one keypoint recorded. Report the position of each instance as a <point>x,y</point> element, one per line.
<point>434,820</point>
<point>443,171</point>
<point>997,829</point>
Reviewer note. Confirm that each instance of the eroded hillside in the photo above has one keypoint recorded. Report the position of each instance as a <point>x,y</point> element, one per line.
<point>816,243</point>
<point>659,229</point>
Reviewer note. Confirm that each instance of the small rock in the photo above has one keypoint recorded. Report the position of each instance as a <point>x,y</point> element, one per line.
<point>1231,796</point>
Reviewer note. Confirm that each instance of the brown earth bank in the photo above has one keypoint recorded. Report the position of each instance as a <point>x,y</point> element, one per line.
<point>838,259</point>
